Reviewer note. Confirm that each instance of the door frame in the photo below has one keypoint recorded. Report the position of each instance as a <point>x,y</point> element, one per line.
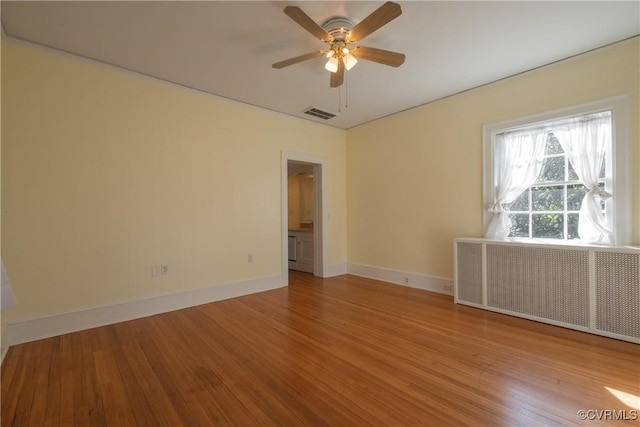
<point>320,215</point>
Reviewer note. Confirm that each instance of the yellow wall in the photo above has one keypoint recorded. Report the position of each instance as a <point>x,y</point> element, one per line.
<point>106,172</point>
<point>293,197</point>
<point>301,199</point>
<point>415,178</point>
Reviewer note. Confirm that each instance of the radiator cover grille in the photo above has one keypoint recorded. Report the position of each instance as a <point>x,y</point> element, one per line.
<point>592,289</point>
<point>542,282</point>
<point>469,272</point>
<point>618,293</point>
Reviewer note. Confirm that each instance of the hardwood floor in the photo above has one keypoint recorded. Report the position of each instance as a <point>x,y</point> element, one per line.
<point>339,351</point>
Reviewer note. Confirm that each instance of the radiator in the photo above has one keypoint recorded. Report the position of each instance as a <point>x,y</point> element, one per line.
<point>591,289</point>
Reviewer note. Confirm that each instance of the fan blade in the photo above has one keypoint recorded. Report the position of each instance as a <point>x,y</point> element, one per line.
<point>297,59</point>
<point>338,77</point>
<point>379,17</point>
<point>302,19</point>
<point>380,56</point>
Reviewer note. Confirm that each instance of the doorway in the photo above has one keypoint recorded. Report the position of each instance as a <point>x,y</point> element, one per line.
<point>301,202</point>
<point>310,222</point>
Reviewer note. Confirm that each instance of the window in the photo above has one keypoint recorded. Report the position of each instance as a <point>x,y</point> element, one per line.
<point>550,208</point>
<point>560,176</point>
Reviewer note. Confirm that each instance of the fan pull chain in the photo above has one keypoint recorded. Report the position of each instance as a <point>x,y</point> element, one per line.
<point>346,90</point>
<point>346,93</point>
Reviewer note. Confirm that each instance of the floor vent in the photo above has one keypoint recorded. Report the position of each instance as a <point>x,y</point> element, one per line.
<point>316,112</point>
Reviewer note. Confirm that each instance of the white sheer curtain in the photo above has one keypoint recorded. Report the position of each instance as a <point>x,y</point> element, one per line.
<point>519,157</point>
<point>585,141</point>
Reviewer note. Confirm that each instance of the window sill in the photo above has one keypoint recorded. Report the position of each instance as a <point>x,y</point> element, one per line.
<point>572,244</point>
<point>555,242</point>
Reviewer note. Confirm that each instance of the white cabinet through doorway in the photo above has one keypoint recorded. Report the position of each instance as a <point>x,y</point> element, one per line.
<point>301,251</point>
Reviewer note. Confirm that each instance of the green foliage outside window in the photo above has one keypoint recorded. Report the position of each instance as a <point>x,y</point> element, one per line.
<point>549,209</point>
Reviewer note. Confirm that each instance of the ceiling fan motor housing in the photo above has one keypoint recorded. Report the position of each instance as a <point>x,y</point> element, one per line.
<point>338,27</point>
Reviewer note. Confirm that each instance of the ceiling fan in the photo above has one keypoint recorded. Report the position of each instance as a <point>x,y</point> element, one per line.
<point>342,35</point>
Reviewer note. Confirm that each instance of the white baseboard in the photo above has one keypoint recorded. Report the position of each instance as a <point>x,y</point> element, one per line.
<point>18,332</point>
<point>414,280</point>
<point>335,270</point>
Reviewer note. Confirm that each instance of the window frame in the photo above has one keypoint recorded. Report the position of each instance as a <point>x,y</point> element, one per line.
<point>618,206</point>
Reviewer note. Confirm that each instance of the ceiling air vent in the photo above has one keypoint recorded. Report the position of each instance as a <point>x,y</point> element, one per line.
<point>316,112</point>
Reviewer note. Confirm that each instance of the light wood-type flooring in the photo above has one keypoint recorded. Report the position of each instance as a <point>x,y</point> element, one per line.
<point>345,351</point>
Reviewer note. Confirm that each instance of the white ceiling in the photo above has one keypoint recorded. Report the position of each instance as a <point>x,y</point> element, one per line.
<point>227,47</point>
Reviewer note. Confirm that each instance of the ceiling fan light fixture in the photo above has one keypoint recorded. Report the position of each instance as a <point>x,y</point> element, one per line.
<point>349,61</point>
<point>332,64</point>
<point>341,33</point>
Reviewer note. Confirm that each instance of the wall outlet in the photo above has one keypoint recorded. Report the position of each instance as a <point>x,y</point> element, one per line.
<point>164,269</point>
<point>250,258</point>
<point>406,280</point>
